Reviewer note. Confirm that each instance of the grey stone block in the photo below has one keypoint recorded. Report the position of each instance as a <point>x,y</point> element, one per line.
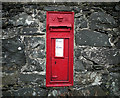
<point>102,55</point>
<point>91,38</point>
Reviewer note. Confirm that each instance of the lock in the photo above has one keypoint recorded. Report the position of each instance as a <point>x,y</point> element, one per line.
<point>59,48</point>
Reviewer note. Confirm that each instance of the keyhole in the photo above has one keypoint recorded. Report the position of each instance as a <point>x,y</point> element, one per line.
<point>55,62</point>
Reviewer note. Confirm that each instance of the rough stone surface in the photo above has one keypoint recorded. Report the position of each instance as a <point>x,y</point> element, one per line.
<point>27,91</point>
<point>59,8</point>
<point>10,79</point>
<point>102,22</point>
<point>80,21</point>
<point>96,49</point>
<point>79,65</point>
<point>10,32</point>
<point>13,54</point>
<point>102,55</point>
<point>92,38</point>
<point>33,78</point>
<point>22,19</point>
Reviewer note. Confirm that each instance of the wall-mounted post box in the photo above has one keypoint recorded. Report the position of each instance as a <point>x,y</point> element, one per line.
<point>59,48</point>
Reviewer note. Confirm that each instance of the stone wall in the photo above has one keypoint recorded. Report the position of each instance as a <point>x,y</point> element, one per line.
<point>96,56</point>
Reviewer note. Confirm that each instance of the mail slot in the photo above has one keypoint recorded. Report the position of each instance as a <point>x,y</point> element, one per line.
<point>59,48</point>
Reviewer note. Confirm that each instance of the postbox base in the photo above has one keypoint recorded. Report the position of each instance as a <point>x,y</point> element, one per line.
<point>58,85</point>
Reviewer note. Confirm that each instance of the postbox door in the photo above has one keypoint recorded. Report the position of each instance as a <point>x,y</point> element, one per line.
<point>59,48</point>
<point>60,59</point>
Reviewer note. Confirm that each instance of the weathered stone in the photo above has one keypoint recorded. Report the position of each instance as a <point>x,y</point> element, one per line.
<point>87,78</point>
<point>29,30</point>
<point>117,7</point>
<point>10,32</point>
<point>53,93</point>
<point>115,84</point>
<point>92,38</point>
<point>114,68</point>
<point>96,9</point>
<point>111,83</point>
<point>23,19</point>
<point>74,93</point>
<point>98,16</point>
<point>42,63</point>
<point>29,9</point>
<point>19,58</point>
<point>5,23</point>
<point>34,65</point>
<point>102,24</point>
<point>58,8</point>
<point>93,91</point>
<point>6,93</point>
<point>13,53</point>
<point>76,9</point>
<point>105,79</point>
<point>98,67</point>
<point>63,90</point>
<point>64,8</point>
<point>102,55</point>
<point>57,91</point>
<point>83,24</point>
<point>35,23</point>
<point>49,8</point>
<point>34,42</point>
<point>13,44</point>
<point>40,92</point>
<point>88,91</point>
<point>23,92</point>
<point>78,65</point>
<point>36,46</point>
<point>115,14</point>
<point>80,23</point>
<point>118,44</point>
<point>13,61</point>
<point>43,27</point>
<point>37,53</point>
<point>41,16</point>
<point>31,79</point>
<point>77,52</point>
<point>27,91</point>
<point>87,64</point>
<point>32,68</point>
<point>10,79</point>
<point>78,15</point>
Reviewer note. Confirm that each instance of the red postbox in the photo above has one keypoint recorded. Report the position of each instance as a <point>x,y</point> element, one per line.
<point>59,48</point>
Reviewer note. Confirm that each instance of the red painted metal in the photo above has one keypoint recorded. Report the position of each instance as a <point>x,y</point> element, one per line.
<point>59,69</point>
